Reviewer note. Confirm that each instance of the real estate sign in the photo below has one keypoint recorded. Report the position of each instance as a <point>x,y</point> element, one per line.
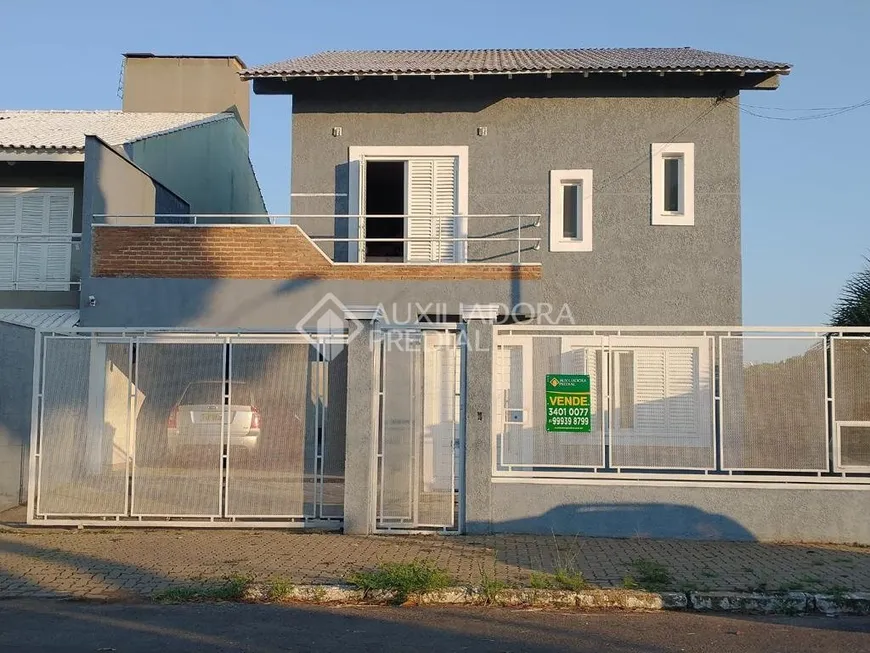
<point>569,403</point>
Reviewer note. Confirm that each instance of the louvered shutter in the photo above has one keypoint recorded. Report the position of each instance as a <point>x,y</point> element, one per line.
<point>57,255</point>
<point>667,390</point>
<point>432,196</point>
<point>8,213</point>
<point>682,391</point>
<point>420,195</point>
<point>649,389</point>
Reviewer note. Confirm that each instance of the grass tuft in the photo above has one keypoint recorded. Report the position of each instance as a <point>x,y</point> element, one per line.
<point>649,575</point>
<point>402,578</point>
<point>229,588</point>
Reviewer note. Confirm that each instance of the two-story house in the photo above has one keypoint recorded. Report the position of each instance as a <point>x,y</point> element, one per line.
<point>432,340</point>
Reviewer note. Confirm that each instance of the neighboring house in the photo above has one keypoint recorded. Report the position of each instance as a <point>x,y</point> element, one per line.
<point>174,149</point>
<point>469,230</point>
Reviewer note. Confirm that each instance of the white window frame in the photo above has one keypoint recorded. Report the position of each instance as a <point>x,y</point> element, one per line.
<point>685,152</point>
<point>357,154</point>
<point>559,179</point>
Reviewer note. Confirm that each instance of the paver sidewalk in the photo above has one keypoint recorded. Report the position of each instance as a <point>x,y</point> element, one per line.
<point>129,563</point>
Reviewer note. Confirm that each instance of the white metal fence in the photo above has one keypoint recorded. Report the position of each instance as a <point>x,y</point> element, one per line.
<point>191,428</point>
<point>700,403</point>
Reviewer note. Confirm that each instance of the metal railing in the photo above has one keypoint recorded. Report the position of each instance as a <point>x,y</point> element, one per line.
<point>38,261</point>
<point>451,247</point>
<point>717,404</point>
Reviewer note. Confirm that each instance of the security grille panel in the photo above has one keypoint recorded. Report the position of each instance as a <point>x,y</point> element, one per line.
<point>180,429</point>
<point>419,420</point>
<point>774,412</point>
<point>85,427</point>
<point>853,446</point>
<point>522,367</point>
<point>662,389</point>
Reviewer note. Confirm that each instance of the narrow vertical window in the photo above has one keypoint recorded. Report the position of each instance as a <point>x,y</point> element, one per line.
<point>672,176</point>
<point>570,210</point>
<point>672,183</point>
<point>571,196</point>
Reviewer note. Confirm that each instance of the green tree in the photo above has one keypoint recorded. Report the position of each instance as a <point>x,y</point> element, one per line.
<point>853,305</point>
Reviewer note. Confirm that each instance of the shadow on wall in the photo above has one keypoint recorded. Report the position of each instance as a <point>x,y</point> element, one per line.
<point>638,520</point>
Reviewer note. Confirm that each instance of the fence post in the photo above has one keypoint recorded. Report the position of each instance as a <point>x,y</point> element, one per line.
<point>478,415</point>
<point>361,415</point>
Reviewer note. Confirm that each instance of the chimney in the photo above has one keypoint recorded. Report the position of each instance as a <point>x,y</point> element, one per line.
<point>180,84</point>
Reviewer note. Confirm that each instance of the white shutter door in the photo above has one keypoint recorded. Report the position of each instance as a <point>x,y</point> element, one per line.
<point>32,250</point>
<point>445,207</point>
<point>31,265</point>
<point>8,221</point>
<point>432,196</point>
<point>649,389</point>
<point>34,214</point>
<point>421,194</point>
<point>683,391</point>
<point>57,258</point>
<point>8,211</point>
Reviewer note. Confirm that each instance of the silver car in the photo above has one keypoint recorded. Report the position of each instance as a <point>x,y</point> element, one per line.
<point>197,418</point>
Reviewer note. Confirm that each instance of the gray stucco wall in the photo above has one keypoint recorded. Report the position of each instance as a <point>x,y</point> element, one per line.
<point>637,273</point>
<point>697,512</point>
<point>208,165</point>
<point>49,174</point>
<point>16,376</point>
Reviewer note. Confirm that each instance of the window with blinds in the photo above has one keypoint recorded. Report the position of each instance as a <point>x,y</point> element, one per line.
<point>658,390</point>
<point>35,229</point>
<point>432,197</point>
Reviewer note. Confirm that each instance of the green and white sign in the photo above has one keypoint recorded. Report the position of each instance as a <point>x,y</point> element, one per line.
<point>569,403</point>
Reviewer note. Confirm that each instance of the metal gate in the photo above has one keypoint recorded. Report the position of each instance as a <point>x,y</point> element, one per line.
<point>420,431</point>
<point>190,429</point>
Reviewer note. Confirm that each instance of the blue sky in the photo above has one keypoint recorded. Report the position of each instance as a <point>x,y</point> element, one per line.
<point>806,222</point>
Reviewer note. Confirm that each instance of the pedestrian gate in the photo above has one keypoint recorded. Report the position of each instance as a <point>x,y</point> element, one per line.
<point>419,452</point>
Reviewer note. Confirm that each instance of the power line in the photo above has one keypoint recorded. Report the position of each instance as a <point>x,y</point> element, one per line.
<point>644,158</point>
<point>828,113</point>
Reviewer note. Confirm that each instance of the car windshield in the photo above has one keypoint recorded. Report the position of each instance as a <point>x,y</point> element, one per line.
<point>211,392</point>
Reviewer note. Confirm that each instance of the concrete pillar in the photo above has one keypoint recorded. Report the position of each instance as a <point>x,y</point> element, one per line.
<point>478,416</point>
<point>360,463</point>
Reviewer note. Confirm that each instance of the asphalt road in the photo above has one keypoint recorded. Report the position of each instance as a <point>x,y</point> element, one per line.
<point>71,627</point>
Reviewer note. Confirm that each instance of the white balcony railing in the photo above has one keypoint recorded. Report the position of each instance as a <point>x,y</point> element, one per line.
<point>442,239</point>
<point>40,261</point>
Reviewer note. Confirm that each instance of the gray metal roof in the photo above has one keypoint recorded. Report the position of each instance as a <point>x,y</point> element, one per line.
<point>66,130</point>
<point>456,62</point>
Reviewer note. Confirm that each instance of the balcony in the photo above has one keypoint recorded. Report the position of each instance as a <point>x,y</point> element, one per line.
<point>48,262</point>
<point>318,246</point>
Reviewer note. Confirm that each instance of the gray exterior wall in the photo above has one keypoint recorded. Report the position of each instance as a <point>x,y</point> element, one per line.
<point>636,274</point>
<point>113,185</point>
<point>702,513</point>
<point>207,165</point>
<point>50,175</point>
<point>16,376</point>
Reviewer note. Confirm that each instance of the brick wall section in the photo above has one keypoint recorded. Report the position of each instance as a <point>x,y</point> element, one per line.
<point>255,253</point>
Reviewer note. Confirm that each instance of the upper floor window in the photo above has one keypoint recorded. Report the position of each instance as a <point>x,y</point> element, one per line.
<point>570,210</point>
<point>673,183</point>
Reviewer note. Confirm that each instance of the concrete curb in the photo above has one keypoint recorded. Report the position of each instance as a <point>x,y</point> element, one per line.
<point>789,603</point>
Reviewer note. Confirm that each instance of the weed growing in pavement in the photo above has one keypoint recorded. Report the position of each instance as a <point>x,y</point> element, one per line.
<point>401,578</point>
<point>278,589</point>
<point>650,575</point>
<point>229,588</point>
<point>490,586</point>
